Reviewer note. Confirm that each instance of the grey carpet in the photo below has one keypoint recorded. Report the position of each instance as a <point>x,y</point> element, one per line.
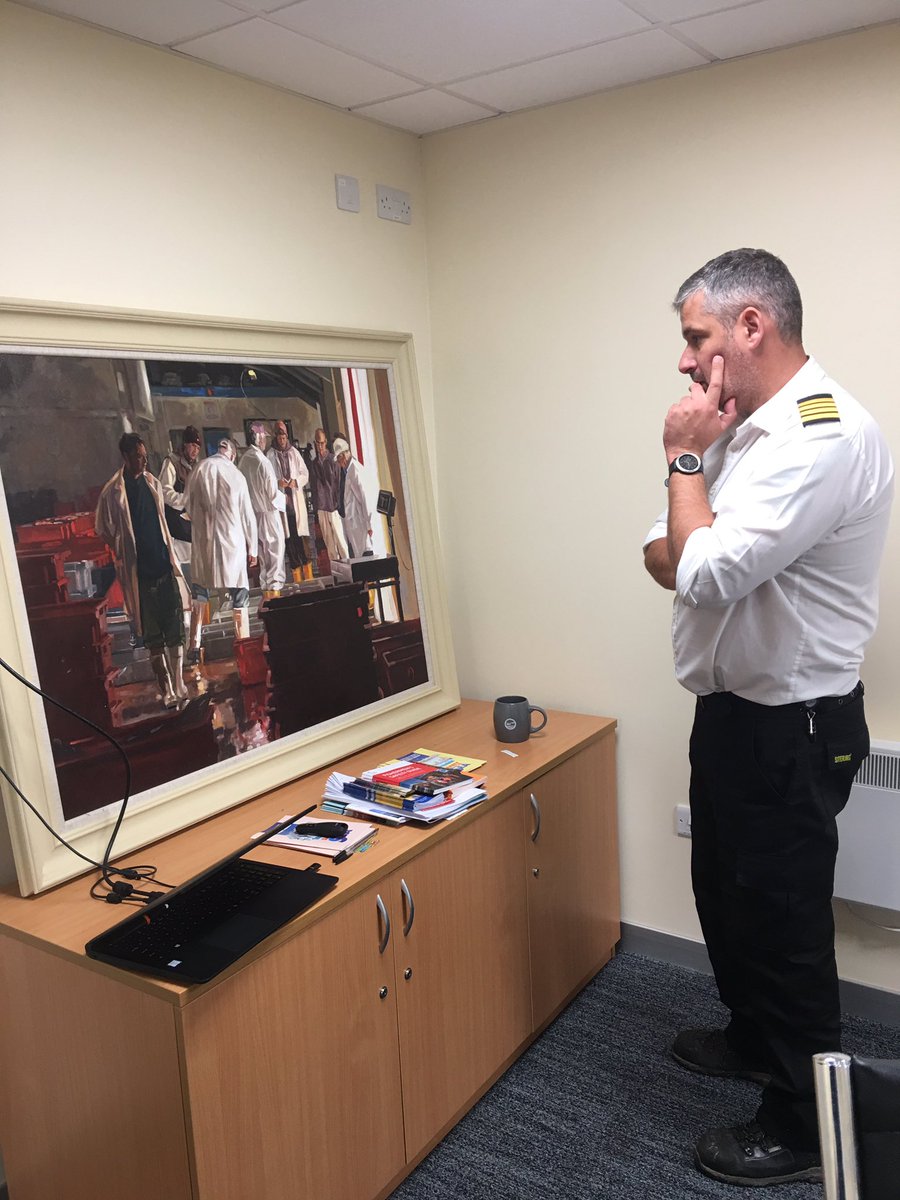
<point>596,1108</point>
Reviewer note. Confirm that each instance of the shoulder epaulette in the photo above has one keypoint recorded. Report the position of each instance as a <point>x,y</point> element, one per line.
<point>818,410</point>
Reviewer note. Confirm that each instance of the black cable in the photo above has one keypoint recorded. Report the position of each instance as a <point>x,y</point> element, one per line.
<point>144,871</point>
<point>12,783</point>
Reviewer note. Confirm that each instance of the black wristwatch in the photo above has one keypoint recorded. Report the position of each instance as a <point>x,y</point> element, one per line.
<point>685,464</point>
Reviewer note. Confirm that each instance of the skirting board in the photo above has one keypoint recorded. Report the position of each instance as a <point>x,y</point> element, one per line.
<point>876,1004</point>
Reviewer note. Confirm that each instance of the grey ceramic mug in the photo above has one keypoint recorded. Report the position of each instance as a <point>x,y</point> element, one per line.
<point>512,719</point>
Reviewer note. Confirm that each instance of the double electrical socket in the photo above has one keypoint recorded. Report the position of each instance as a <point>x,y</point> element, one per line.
<point>390,203</point>
<point>683,820</point>
<point>393,205</point>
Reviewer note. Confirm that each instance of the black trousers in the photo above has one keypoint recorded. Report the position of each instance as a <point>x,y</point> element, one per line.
<point>296,545</point>
<point>766,786</point>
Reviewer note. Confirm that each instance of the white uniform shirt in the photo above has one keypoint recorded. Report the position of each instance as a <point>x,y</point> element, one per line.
<point>776,600</point>
<point>262,482</point>
<point>357,511</point>
<point>295,496</point>
<point>168,477</point>
<point>223,524</point>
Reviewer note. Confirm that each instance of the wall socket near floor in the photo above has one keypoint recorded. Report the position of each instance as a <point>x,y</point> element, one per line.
<point>683,820</point>
<point>393,205</point>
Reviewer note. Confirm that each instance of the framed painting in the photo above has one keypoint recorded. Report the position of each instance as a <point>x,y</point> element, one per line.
<point>199,569</point>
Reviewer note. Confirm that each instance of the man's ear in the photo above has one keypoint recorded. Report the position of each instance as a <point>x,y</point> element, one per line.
<point>750,327</point>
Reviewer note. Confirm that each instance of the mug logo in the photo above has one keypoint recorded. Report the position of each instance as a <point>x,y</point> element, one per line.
<point>509,723</point>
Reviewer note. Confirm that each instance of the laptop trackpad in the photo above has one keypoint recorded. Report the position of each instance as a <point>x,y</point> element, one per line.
<point>238,933</point>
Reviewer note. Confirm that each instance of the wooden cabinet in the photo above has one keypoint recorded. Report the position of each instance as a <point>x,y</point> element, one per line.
<point>572,875</point>
<point>461,961</point>
<point>290,1063</point>
<point>311,1044</point>
<point>332,1057</point>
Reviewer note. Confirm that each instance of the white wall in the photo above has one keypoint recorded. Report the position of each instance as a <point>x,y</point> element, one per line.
<point>556,241</point>
<point>135,178</point>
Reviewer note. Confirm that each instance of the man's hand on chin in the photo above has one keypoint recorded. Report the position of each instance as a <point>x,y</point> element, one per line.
<point>699,418</point>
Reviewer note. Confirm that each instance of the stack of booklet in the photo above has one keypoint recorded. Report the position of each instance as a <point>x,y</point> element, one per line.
<point>424,785</point>
<point>328,847</point>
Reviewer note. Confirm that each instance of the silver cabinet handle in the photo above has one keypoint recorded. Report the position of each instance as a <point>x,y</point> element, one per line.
<point>536,809</point>
<point>387,924</point>
<point>410,907</point>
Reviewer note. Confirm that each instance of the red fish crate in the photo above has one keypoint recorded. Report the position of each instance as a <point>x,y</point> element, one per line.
<point>40,566</point>
<point>51,531</point>
<point>82,522</point>
<point>88,547</point>
<point>76,624</point>
<point>42,595</point>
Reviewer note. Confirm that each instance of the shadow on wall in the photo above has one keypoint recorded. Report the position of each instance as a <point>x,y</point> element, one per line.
<point>7,874</point>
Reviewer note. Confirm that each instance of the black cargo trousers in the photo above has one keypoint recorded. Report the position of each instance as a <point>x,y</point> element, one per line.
<point>767,783</point>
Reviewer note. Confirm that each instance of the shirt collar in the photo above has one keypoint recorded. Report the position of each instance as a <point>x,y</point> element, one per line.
<point>778,411</point>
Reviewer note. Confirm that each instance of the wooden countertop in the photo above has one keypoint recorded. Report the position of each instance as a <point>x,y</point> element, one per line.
<point>63,919</point>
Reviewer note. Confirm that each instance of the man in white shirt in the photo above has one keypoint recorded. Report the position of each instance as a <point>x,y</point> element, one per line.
<point>223,529</point>
<point>780,487</point>
<point>293,476</point>
<point>353,504</point>
<point>268,507</point>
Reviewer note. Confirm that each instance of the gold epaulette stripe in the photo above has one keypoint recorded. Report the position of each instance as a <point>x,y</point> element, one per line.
<point>818,410</point>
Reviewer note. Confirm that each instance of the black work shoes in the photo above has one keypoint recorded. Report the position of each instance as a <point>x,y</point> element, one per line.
<point>746,1154</point>
<point>707,1051</point>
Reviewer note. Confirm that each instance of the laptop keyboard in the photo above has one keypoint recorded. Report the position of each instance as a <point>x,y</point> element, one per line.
<point>154,937</point>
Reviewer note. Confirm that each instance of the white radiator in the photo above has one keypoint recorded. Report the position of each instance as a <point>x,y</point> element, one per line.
<point>868,861</point>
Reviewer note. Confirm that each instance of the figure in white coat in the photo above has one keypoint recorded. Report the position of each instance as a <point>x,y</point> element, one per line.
<point>268,507</point>
<point>131,520</point>
<point>293,476</point>
<point>353,504</point>
<point>223,531</point>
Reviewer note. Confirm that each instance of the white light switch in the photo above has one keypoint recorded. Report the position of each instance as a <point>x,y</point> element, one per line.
<point>346,190</point>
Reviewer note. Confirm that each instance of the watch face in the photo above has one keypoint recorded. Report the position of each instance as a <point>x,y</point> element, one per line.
<point>688,464</point>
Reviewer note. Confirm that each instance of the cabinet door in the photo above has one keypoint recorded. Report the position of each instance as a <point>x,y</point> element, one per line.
<point>91,1103</point>
<point>572,875</point>
<point>461,956</point>
<point>293,1068</point>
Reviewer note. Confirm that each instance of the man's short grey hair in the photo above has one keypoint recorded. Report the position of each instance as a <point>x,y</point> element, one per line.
<point>228,446</point>
<point>739,278</point>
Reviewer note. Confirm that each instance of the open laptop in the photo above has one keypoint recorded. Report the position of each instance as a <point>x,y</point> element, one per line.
<point>198,929</point>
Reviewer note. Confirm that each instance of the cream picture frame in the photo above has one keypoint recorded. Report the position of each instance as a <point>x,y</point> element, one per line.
<point>41,861</point>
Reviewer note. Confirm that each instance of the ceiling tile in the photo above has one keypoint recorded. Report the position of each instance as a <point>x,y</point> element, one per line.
<point>771,23</point>
<point>276,55</point>
<point>440,40</point>
<point>679,10</point>
<point>426,112</point>
<point>159,21</point>
<point>259,6</point>
<point>580,72</point>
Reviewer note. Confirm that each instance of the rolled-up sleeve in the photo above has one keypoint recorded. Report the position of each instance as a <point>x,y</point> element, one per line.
<point>659,529</point>
<point>774,518</point>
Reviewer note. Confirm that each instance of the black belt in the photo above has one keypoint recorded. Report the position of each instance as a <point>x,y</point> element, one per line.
<point>822,705</point>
